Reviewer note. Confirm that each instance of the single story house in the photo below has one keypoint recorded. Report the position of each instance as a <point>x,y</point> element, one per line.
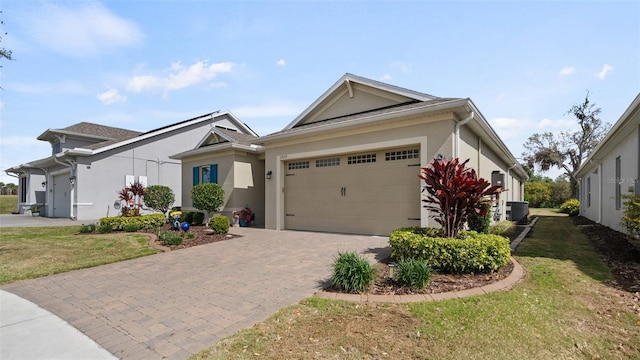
<point>612,170</point>
<point>350,161</point>
<point>90,163</point>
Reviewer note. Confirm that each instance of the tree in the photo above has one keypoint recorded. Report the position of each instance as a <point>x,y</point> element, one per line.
<point>537,193</point>
<point>568,149</point>
<point>4,53</point>
<point>159,198</point>
<point>208,197</point>
<point>455,192</point>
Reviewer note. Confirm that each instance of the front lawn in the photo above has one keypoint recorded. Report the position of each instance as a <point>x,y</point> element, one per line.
<point>562,310</point>
<point>27,253</point>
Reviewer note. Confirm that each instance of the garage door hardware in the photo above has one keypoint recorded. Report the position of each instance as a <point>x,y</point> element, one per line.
<point>343,191</point>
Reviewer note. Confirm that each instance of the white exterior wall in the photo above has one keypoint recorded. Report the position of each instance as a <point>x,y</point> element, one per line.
<point>627,150</point>
<point>590,193</point>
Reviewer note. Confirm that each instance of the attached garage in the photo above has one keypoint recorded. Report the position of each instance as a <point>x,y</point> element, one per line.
<point>372,192</point>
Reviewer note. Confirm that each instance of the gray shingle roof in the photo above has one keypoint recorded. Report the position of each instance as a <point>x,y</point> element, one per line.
<point>97,130</point>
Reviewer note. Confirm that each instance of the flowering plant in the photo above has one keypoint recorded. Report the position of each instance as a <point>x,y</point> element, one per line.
<point>244,214</point>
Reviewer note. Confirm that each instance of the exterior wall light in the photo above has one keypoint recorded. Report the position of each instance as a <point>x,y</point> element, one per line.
<point>72,179</point>
<point>44,184</point>
<point>269,173</point>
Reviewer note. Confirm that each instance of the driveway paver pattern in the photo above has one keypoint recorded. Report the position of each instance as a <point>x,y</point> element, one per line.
<point>174,304</point>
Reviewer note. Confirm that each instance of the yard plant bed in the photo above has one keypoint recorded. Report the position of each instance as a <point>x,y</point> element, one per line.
<point>202,235</point>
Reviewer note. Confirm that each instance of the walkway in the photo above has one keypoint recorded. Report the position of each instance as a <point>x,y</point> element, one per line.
<point>174,304</point>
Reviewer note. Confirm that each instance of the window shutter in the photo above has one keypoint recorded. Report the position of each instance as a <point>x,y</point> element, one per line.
<point>196,175</point>
<point>213,173</point>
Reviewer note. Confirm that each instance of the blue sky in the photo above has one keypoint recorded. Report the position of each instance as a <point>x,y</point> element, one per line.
<point>145,64</point>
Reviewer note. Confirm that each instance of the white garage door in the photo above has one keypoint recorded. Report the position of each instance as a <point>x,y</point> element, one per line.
<point>365,193</point>
<point>61,194</point>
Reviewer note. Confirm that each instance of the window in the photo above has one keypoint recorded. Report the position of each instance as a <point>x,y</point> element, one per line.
<point>23,189</point>
<point>618,184</point>
<point>328,162</point>
<point>402,155</point>
<point>589,191</point>
<point>205,174</point>
<point>298,165</point>
<point>361,159</point>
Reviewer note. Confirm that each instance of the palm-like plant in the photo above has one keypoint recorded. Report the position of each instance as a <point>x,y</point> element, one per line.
<point>454,192</point>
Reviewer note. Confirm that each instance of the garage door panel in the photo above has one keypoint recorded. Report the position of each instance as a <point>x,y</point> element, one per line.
<point>364,198</point>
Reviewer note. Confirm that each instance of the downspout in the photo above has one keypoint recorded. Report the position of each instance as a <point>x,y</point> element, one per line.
<point>456,151</point>
<point>508,170</point>
<point>72,170</point>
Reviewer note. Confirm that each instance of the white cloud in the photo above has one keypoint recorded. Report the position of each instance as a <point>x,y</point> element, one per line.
<point>281,62</point>
<point>111,96</point>
<point>402,66</point>
<point>567,71</point>
<point>268,110</point>
<point>180,77</point>
<point>386,77</point>
<point>88,29</point>
<point>605,69</point>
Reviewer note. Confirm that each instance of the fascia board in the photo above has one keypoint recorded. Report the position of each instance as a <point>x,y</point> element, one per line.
<point>216,148</point>
<point>46,135</point>
<point>617,130</point>
<point>495,139</point>
<point>369,119</point>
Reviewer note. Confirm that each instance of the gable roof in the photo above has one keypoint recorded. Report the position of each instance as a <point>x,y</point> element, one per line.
<point>372,95</point>
<point>89,130</point>
<point>628,122</point>
<point>219,138</point>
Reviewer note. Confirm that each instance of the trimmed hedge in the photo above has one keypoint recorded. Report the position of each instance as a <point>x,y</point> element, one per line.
<point>219,224</point>
<point>469,253</point>
<point>143,222</point>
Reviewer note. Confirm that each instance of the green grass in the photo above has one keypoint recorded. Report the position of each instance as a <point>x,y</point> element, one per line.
<point>563,309</point>
<point>27,253</point>
<point>8,204</point>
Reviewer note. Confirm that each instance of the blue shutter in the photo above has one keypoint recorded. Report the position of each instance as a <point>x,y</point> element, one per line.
<point>196,175</point>
<point>213,173</point>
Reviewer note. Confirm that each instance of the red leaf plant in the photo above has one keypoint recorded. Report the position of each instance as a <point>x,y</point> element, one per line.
<point>454,193</point>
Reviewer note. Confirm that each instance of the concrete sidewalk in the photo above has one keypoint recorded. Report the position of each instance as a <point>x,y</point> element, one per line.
<point>21,220</point>
<point>28,331</point>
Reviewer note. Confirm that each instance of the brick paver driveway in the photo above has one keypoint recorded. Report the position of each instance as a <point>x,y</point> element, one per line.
<point>174,304</point>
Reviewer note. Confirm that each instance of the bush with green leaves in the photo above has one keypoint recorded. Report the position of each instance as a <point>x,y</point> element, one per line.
<point>219,224</point>
<point>87,229</point>
<point>143,222</point>
<point>352,273</point>
<point>412,273</point>
<point>131,227</point>
<point>159,198</point>
<point>169,238</point>
<point>501,227</point>
<point>198,218</point>
<point>105,228</point>
<point>469,253</point>
<point>480,222</point>
<point>571,207</point>
<point>631,216</point>
<point>207,197</point>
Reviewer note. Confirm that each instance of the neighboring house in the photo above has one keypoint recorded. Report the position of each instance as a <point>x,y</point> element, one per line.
<point>350,162</point>
<point>612,171</point>
<point>90,163</point>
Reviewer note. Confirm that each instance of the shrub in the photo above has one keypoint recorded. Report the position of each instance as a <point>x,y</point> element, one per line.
<point>352,273</point>
<point>144,222</point>
<point>169,238</point>
<point>159,198</point>
<point>501,227</point>
<point>105,228</point>
<point>470,253</point>
<point>87,229</point>
<point>207,197</point>
<point>453,193</point>
<point>631,217</point>
<point>412,273</point>
<point>219,224</point>
<point>131,227</point>
<point>198,218</point>
<point>479,222</point>
<point>571,207</point>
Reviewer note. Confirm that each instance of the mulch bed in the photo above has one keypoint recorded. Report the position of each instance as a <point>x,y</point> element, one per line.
<point>202,236</point>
